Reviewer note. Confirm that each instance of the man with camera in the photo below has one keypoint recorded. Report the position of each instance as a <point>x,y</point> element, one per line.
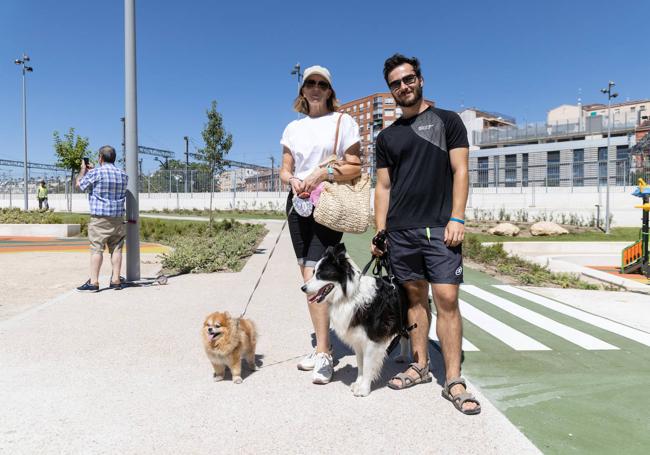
<point>106,187</point>
<point>420,197</point>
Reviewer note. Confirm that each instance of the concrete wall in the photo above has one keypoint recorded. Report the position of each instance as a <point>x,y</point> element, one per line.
<point>482,202</point>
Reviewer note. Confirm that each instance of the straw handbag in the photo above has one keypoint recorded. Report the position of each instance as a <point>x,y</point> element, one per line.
<point>344,206</point>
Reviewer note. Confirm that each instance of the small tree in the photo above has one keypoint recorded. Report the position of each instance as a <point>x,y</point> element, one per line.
<point>217,144</point>
<point>69,151</point>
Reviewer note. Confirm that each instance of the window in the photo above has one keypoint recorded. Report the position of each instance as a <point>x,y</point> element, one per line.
<point>368,115</point>
<point>389,112</point>
<point>361,107</point>
<point>511,170</point>
<point>388,123</point>
<point>622,165</point>
<point>354,108</point>
<point>553,168</point>
<point>483,171</point>
<point>389,101</point>
<point>579,167</point>
<point>524,169</point>
<point>602,165</point>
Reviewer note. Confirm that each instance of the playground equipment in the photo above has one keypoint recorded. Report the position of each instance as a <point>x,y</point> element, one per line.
<point>634,258</point>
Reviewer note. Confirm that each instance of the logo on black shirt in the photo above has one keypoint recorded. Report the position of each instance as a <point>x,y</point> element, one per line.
<point>424,127</point>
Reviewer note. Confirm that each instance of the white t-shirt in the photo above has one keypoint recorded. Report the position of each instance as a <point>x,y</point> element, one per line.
<point>311,140</point>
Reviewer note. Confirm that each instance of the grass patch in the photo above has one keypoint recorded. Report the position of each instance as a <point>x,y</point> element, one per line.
<point>496,261</point>
<point>17,216</point>
<point>620,234</point>
<point>224,249</point>
<point>195,248</point>
<point>226,214</point>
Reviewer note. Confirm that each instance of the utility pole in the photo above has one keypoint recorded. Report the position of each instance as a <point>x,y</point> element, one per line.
<point>123,141</point>
<point>608,91</point>
<point>187,159</point>
<point>272,186</point>
<point>25,69</point>
<point>131,144</point>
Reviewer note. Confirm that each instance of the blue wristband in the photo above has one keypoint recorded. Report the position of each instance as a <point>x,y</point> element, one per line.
<point>457,220</point>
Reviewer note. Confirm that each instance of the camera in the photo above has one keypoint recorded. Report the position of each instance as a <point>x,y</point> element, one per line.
<point>86,161</point>
<point>379,240</point>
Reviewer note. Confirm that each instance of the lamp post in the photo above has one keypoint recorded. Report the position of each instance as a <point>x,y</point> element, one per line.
<point>25,69</point>
<point>608,91</point>
<point>297,72</point>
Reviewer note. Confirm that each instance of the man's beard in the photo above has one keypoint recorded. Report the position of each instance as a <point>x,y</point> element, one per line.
<point>417,92</point>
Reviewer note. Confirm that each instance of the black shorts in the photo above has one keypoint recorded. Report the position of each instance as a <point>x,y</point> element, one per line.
<point>416,255</point>
<point>310,239</point>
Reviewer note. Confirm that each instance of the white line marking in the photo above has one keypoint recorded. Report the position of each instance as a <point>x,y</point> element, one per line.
<point>513,338</point>
<point>467,345</point>
<point>582,339</point>
<point>603,323</point>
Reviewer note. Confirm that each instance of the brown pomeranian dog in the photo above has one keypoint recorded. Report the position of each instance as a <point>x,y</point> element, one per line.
<point>226,341</point>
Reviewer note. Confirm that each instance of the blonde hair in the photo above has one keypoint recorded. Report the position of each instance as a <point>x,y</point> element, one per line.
<point>300,104</point>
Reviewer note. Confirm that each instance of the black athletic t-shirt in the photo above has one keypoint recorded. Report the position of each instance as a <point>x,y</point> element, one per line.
<point>416,152</point>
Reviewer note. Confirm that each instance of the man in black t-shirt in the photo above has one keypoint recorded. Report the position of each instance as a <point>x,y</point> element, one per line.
<point>420,197</point>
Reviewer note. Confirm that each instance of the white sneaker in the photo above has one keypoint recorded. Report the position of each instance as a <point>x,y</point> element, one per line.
<point>323,368</point>
<point>307,362</point>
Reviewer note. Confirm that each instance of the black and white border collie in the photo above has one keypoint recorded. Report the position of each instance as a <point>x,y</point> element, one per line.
<point>364,312</point>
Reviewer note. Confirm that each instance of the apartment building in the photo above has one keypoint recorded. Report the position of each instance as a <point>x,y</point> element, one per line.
<point>373,113</point>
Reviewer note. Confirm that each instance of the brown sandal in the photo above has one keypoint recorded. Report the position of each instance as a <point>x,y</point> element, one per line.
<point>459,400</point>
<point>406,381</point>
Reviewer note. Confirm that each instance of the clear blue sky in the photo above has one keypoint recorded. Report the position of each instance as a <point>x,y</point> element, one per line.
<point>517,57</point>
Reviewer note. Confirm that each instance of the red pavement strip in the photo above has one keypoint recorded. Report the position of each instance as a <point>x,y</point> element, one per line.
<point>617,272</point>
<point>72,245</point>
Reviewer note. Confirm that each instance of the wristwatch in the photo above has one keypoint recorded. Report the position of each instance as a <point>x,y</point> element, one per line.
<point>330,174</point>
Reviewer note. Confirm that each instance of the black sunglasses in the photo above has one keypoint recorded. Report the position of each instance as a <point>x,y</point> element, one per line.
<point>408,80</point>
<point>310,83</point>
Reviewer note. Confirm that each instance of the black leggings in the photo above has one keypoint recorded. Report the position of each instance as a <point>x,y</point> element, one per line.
<point>310,239</point>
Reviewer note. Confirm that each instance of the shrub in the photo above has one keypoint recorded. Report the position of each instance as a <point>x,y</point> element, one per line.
<point>224,250</point>
<point>17,216</point>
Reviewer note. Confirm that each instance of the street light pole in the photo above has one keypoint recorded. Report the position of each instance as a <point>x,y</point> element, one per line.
<point>131,144</point>
<point>187,159</point>
<point>297,72</point>
<point>608,91</point>
<point>25,69</point>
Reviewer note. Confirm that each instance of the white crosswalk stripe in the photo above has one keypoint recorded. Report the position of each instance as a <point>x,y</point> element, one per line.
<point>512,337</point>
<point>598,321</point>
<point>520,341</point>
<point>572,335</point>
<point>467,345</point>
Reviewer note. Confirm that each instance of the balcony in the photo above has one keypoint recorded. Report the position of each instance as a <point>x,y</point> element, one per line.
<point>540,132</point>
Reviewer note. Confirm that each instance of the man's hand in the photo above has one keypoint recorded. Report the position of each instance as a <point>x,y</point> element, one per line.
<point>454,233</point>
<point>378,244</point>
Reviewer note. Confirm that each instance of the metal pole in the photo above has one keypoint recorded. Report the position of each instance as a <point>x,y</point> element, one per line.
<point>131,141</point>
<point>609,132</point>
<point>187,159</point>
<point>25,137</point>
<point>123,141</point>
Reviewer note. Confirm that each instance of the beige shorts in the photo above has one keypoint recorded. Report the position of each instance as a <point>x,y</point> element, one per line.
<point>106,230</point>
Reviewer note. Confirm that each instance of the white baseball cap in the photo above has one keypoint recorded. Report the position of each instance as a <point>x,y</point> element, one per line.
<point>320,70</point>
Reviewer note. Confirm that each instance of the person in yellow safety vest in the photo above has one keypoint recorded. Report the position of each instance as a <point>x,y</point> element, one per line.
<point>42,196</point>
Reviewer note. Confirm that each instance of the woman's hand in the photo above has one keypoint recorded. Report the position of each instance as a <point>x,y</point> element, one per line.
<point>314,179</point>
<point>297,185</point>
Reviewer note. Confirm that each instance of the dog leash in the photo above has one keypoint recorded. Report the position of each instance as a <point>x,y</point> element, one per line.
<point>266,264</point>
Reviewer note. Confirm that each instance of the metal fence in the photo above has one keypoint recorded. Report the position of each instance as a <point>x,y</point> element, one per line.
<point>622,172</point>
<point>558,130</point>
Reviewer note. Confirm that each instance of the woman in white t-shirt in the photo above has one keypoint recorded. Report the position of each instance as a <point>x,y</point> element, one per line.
<point>306,143</point>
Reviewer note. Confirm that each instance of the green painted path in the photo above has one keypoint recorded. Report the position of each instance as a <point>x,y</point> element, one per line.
<point>571,381</point>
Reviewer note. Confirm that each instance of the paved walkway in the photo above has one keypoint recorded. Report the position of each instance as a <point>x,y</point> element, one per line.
<point>124,372</point>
